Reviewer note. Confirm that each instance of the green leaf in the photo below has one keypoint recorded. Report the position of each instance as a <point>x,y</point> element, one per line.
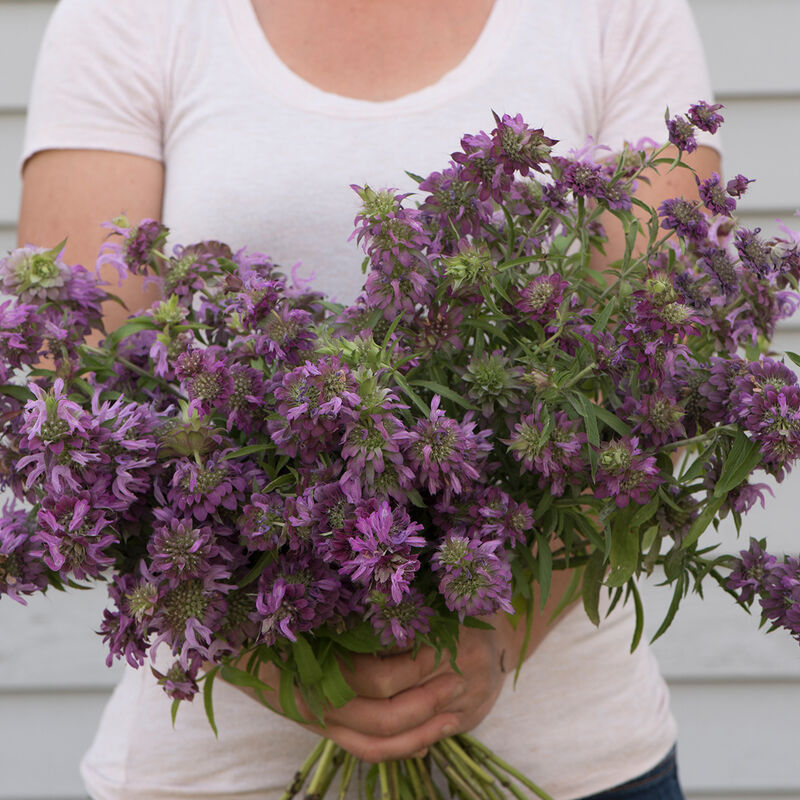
<point>21,393</point>
<point>605,316</point>
<point>794,358</point>
<point>742,459</point>
<point>585,410</point>
<point>174,710</point>
<point>624,553</point>
<point>208,683</point>
<point>702,521</point>
<point>287,699</point>
<point>361,639</point>
<point>649,538</point>
<point>639,608</point>
<point>672,610</point>
<point>645,512</point>
<point>308,667</point>
<point>612,420</point>
<point>412,395</point>
<point>128,329</point>
<point>475,622</point>
<point>238,677</point>
<point>248,450</point>
<point>257,569</point>
<point>335,688</point>
<point>591,585</point>
<point>437,388</point>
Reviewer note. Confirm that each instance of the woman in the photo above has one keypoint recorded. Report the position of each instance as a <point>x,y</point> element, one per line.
<point>246,121</point>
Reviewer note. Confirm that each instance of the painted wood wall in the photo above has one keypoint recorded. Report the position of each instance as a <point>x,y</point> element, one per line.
<point>736,692</point>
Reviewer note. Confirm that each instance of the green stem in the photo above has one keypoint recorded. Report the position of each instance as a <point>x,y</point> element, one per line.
<point>413,775</point>
<point>336,763</point>
<point>433,793</point>
<point>300,776</point>
<point>453,775</point>
<point>328,749</point>
<point>451,743</point>
<point>505,766</point>
<point>504,780</point>
<point>383,774</point>
<point>347,775</point>
<point>577,378</point>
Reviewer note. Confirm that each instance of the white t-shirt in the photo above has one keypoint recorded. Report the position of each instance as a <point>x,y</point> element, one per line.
<point>257,156</point>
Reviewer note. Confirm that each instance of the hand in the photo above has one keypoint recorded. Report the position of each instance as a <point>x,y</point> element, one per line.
<point>403,704</point>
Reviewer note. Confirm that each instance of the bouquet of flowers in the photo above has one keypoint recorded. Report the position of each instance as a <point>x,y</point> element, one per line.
<point>264,477</point>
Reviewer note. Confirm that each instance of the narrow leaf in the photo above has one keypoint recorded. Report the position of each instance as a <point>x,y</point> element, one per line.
<point>307,665</point>
<point>437,388</point>
<point>287,699</point>
<point>238,677</point>
<point>207,702</point>
<point>335,688</point>
<point>702,521</point>
<point>248,450</point>
<point>545,561</point>
<point>591,585</point>
<point>639,608</point>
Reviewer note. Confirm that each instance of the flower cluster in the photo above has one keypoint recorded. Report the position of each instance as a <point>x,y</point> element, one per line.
<point>256,470</point>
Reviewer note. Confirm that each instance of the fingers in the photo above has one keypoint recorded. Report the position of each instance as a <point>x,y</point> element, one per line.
<point>374,749</point>
<point>401,713</point>
<point>383,677</point>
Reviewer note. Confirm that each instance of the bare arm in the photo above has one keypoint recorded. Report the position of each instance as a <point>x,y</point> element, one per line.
<point>67,194</point>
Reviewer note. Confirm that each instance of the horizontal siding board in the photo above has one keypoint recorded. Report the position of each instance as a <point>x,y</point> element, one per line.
<point>751,47</point>
<point>738,738</point>
<point>12,127</point>
<point>53,732</point>
<point>22,24</point>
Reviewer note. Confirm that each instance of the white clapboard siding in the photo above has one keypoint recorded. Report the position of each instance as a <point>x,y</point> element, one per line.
<point>736,692</point>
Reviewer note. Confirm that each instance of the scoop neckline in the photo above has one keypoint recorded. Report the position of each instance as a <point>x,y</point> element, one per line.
<point>273,73</point>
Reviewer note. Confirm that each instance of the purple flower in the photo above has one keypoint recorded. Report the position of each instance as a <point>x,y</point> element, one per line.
<point>625,474</point>
<point>76,536</point>
<point>52,415</point>
<point>181,550</point>
<point>751,570</point>
<point>398,624</point>
<point>294,596</point>
<point>499,516</point>
<point>684,217</point>
<point>737,186</point>
<point>754,252</point>
<point>681,134</point>
<point>540,298</point>
<point>657,418</point>
<point>705,116</point>
<point>124,629</point>
<point>716,262</point>
<point>476,578</point>
<point>517,147</point>
<point>548,444</point>
<point>204,487</point>
<point>138,251</point>
<point>446,455</point>
<point>21,337</point>
<point>186,615</point>
<point>21,570</point>
<point>382,553</point>
<point>261,521</point>
<point>205,378</point>
<point>34,274</point>
<point>180,682</point>
<point>715,198</point>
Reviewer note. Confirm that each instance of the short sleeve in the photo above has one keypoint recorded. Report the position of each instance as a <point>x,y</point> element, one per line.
<point>99,79</point>
<point>652,59</point>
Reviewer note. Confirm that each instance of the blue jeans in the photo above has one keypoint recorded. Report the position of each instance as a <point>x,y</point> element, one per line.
<point>660,783</point>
